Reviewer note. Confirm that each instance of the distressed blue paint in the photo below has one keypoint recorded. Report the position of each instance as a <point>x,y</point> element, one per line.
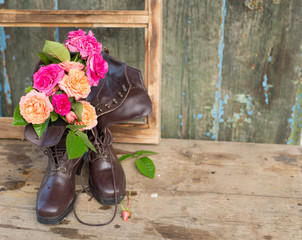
<point>200,115</point>
<point>230,120</point>
<point>217,111</point>
<point>269,59</point>
<point>181,124</point>
<point>208,134</point>
<point>162,127</point>
<point>183,93</point>
<point>2,1</point>
<point>180,116</point>
<point>265,87</point>
<point>169,79</point>
<point>3,38</point>
<point>5,88</point>
<point>249,105</point>
<point>295,120</point>
<point>57,37</point>
<point>194,116</point>
<point>14,58</point>
<point>56,7</point>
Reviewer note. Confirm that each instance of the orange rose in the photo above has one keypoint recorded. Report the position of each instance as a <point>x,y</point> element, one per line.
<point>89,117</point>
<point>67,65</point>
<point>75,84</point>
<point>35,107</point>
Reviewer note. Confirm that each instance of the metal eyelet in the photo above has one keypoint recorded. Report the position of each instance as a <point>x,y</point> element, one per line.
<point>107,106</point>
<point>120,94</point>
<point>124,88</point>
<point>114,101</point>
<point>100,110</point>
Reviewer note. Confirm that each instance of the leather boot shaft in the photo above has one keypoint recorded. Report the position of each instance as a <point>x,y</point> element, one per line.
<point>104,167</point>
<point>57,191</point>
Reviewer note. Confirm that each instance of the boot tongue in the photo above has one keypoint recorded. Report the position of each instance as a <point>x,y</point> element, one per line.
<point>59,150</point>
<point>50,137</point>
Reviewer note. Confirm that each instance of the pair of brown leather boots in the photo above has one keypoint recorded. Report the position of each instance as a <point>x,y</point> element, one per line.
<point>120,96</point>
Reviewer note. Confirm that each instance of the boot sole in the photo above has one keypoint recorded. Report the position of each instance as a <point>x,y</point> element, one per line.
<point>58,219</point>
<point>105,201</point>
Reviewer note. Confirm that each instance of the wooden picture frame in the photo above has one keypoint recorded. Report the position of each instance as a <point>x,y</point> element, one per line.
<point>150,19</point>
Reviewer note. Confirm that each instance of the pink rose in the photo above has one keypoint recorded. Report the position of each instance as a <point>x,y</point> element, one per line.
<point>77,33</point>
<point>85,44</point>
<point>47,77</point>
<point>61,104</point>
<point>97,67</point>
<point>35,107</point>
<point>71,116</point>
<point>67,65</point>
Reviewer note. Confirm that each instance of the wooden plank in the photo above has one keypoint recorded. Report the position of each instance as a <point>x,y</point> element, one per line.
<point>219,190</point>
<point>260,71</point>
<point>154,65</point>
<point>190,73</point>
<point>7,130</point>
<point>67,17</point>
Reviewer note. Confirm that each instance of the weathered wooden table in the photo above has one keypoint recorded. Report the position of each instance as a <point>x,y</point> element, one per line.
<point>202,190</point>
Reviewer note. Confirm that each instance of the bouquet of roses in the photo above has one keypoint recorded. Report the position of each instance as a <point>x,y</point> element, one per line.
<point>60,87</point>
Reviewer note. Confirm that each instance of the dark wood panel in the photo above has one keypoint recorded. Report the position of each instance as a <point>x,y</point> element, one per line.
<point>101,4</point>
<point>190,43</point>
<point>73,4</point>
<point>230,70</point>
<point>28,4</point>
<point>260,70</point>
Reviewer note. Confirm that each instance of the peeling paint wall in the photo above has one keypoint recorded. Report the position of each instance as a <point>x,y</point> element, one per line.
<point>231,68</point>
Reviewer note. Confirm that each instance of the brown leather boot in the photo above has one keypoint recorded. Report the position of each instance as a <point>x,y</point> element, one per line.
<point>57,190</point>
<point>106,175</point>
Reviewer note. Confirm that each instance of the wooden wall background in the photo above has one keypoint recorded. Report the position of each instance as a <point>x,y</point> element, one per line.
<point>231,68</point>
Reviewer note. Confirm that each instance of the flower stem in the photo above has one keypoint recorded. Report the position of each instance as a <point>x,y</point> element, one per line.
<point>77,57</point>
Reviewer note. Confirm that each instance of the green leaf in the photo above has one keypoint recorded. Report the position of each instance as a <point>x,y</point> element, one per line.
<point>75,127</point>
<point>71,99</point>
<point>64,118</point>
<point>126,156</point>
<point>75,145</point>
<point>54,116</point>
<point>52,59</point>
<point>56,50</point>
<point>18,119</point>
<point>146,166</point>
<point>40,128</point>
<point>43,58</point>
<point>59,92</point>
<point>78,109</point>
<point>140,153</point>
<point>28,89</point>
<point>82,61</point>
<point>86,140</point>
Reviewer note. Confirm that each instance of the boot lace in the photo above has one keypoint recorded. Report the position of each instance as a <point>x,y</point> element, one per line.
<point>56,154</point>
<point>102,143</point>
